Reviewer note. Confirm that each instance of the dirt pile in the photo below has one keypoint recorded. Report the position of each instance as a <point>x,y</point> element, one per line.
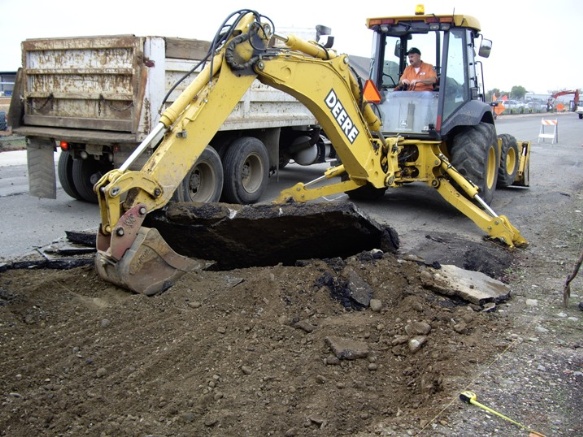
<point>355,346</point>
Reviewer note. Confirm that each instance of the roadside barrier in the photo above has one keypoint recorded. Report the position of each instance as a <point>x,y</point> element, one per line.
<point>549,125</point>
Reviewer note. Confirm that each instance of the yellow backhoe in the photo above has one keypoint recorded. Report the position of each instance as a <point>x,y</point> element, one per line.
<point>445,138</point>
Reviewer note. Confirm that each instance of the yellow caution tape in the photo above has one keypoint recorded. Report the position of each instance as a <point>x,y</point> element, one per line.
<point>471,398</point>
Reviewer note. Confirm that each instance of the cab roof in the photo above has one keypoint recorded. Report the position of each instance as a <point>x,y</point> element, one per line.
<point>426,22</point>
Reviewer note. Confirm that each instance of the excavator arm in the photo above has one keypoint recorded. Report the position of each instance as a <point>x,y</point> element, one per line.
<point>137,257</point>
<point>316,76</point>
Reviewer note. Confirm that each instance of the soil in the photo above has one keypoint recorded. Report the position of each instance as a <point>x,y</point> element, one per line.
<point>355,346</point>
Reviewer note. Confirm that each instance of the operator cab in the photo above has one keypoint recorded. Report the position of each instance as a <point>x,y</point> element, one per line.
<point>447,43</point>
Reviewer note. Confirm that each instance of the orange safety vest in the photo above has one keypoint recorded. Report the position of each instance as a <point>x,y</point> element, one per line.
<point>426,71</point>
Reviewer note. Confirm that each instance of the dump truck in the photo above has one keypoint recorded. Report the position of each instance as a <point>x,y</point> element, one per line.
<point>383,138</point>
<point>96,98</point>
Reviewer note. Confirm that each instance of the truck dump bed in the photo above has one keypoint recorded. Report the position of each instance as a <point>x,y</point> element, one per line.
<point>111,88</point>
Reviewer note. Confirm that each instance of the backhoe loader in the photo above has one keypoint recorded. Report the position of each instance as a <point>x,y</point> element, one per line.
<point>444,138</point>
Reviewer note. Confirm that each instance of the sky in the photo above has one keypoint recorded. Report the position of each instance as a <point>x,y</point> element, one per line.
<point>535,44</point>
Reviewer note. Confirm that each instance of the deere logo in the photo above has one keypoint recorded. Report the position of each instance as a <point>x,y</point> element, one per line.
<point>341,116</point>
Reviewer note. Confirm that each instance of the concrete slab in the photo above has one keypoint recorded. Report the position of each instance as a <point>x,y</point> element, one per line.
<point>474,287</point>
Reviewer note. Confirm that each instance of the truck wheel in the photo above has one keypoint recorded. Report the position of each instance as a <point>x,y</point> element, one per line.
<point>204,181</point>
<point>509,159</point>
<point>65,172</point>
<point>474,153</point>
<point>86,172</point>
<point>246,166</point>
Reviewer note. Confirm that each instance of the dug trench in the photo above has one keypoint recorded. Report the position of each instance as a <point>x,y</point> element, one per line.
<point>342,343</point>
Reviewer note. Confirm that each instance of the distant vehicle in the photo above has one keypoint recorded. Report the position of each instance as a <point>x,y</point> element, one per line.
<point>537,105</point>
<point>510,104</point>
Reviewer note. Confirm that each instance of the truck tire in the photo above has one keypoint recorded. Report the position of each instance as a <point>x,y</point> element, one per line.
<point>3,123</point>
<point>246,167</point>
<point>474,153</point>
<point>204,181</point>
<point>509,159</point>
<point>65,172</point>
<point>86,172</point>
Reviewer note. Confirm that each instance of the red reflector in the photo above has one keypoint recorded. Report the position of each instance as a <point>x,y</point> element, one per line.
<point>64,146</point>
<point>371,93</point>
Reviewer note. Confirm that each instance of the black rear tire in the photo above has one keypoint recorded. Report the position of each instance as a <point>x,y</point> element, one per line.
<point>204,181</point>
<point>65,172</point>
<point>474,154</point>
<point>509,159</point>
<point>246,168</point>
<point>86,173</point>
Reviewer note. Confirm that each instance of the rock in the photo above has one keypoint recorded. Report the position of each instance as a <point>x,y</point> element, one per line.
<point>460,328</point>
<point>305,326</point>
<point>399,339</point>
<point>359,290</point>
<point>489,307</point>
<point>210,421</point>
<point>320,379</point>
<point>531,302</point>
<point>418,328</point>
<point>347,349</point>
<point>332,360</point>
<point>416,343</point>
<point>376,305</point>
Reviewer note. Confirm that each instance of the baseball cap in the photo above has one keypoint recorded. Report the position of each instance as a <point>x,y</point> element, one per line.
<point>413,50</point>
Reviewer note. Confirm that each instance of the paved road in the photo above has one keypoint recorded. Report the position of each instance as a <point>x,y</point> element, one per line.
<point>414,210</point>
<point>27,222</point>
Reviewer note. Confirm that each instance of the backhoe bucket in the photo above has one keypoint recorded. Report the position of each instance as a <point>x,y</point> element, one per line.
<point>148,267</point>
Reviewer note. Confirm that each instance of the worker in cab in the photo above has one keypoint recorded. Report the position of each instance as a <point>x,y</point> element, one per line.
<point>418,75</point>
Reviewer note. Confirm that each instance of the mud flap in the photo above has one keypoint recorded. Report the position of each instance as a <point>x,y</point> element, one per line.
<point>40,156</point>
<point>148,267</point>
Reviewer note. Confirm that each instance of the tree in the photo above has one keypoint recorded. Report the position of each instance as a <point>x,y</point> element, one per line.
<point>518,92</point>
